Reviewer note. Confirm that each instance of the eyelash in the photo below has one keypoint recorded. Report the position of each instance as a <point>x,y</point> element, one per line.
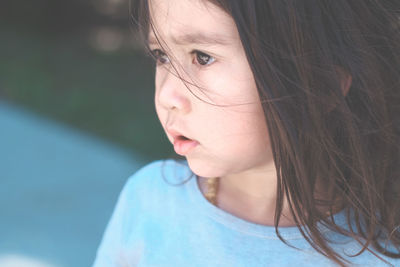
<point>156,54</point>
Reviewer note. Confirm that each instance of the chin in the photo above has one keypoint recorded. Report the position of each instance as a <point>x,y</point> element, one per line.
<point>204,169</point>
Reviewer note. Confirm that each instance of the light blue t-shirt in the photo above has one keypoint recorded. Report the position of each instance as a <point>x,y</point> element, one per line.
<point>159,223</point>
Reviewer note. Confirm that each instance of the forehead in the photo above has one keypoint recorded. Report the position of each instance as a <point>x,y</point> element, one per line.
<point>190,21</point>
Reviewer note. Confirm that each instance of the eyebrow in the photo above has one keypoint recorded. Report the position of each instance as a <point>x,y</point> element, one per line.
<point>195,38</point>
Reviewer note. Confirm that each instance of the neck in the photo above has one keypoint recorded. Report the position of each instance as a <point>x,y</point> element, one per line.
<point>237,203</point>
<point>252,208</point>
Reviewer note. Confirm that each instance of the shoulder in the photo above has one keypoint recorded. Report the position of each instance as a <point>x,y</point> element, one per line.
<point>154,176</point>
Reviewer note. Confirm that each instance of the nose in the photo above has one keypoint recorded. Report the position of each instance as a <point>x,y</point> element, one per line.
<point>171,91</point>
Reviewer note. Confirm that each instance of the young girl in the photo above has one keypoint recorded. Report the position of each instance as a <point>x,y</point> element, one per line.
<point>286,113</point>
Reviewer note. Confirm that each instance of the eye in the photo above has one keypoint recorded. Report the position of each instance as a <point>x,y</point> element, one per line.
<point>202,58</point>
<point>160,57</point>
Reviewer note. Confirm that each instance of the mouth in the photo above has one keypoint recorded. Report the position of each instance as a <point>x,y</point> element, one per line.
<point>181,137</point>
<point>182,144</point>
<point>177,135</point>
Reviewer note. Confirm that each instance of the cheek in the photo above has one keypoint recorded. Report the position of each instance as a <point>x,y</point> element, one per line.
<point>252,141</point>
<point>233,88</point>
<point>159,111</point>
<point>157,104</point>
<point>245,128</point>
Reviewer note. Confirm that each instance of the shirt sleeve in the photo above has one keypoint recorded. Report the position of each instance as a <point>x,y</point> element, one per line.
<point>109,252</point>
<point>112,250</point>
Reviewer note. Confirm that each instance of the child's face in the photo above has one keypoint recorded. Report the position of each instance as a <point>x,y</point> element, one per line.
<point>231,139</point>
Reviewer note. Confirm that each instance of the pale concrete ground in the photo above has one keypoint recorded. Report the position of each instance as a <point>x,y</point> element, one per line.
<point>58,187</point>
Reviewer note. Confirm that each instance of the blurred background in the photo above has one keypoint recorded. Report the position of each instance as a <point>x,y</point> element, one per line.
<point>76,120</point>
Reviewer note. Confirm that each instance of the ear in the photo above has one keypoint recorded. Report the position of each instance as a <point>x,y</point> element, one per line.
<point>345,79</point>
<point>345,82</point>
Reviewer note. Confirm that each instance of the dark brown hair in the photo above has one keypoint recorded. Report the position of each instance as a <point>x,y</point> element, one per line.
<point>349,143</point>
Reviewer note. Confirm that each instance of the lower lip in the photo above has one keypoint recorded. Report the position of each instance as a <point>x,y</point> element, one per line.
<point>183,147</point>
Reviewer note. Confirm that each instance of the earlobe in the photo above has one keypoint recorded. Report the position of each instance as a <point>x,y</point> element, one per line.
<point>345,80</point>
<point>345,83</point>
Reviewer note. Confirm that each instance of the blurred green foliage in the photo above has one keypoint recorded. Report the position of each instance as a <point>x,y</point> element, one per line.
<point>108,93</point>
